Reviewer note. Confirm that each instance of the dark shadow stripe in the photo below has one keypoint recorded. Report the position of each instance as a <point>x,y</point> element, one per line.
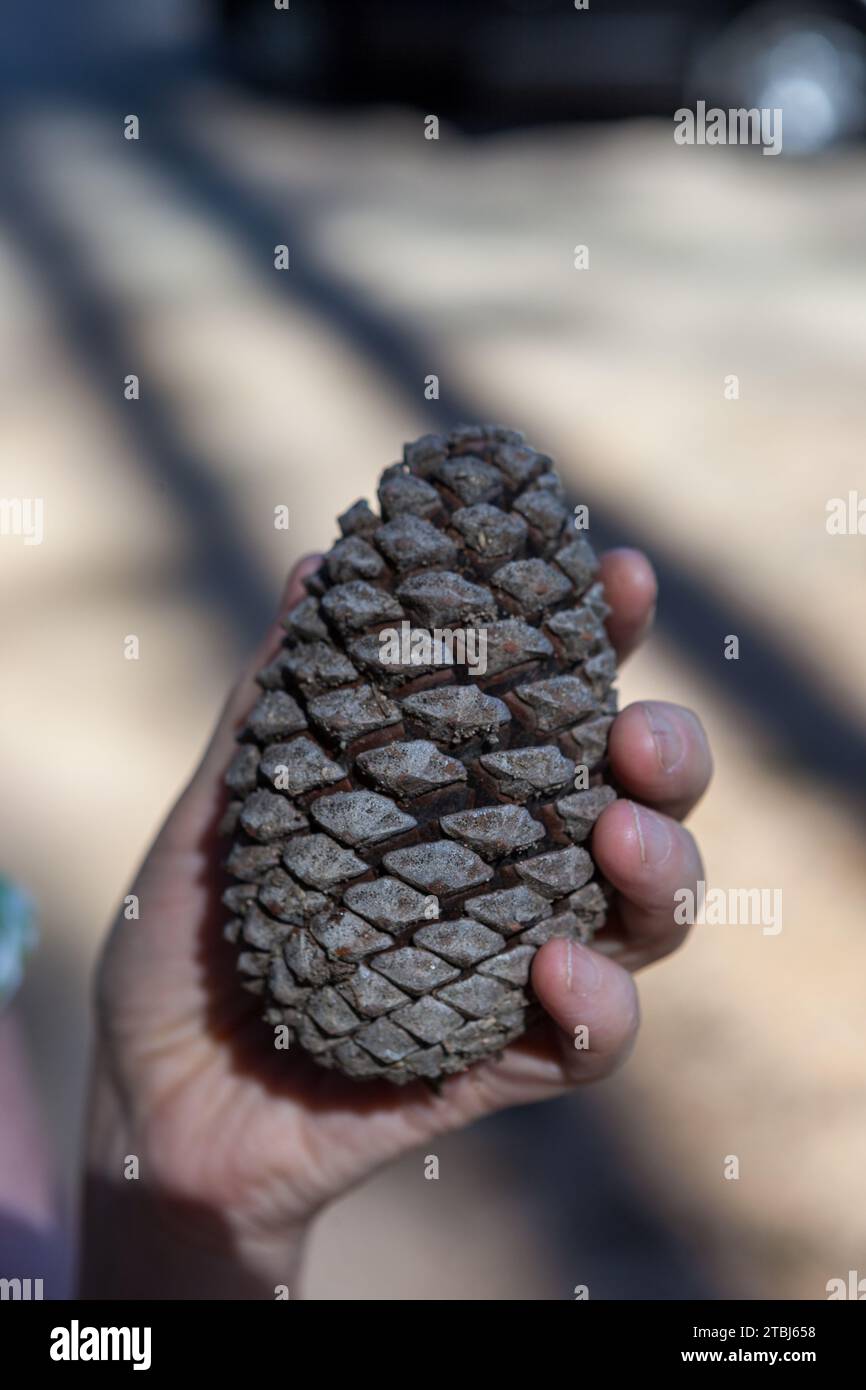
<point>604,1224</point>
<point>220,569</point>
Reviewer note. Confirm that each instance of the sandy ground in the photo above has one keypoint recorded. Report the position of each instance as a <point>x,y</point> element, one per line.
<point>118,257</point>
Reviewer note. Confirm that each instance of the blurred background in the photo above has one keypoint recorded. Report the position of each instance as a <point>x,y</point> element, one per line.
<point>455,257</point>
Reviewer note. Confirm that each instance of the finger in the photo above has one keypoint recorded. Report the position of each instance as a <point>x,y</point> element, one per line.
<point>194,811</point>
<point>593,1003</point>
<point>647,857</point>
<point>631,590</point>
<point>295,589</point>
<point>660,754</point>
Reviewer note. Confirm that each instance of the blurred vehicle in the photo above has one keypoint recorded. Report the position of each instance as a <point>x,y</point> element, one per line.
<point>518,61</point>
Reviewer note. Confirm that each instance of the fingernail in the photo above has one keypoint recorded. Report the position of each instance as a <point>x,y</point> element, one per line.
<point>653,835</point>
<point>666,737</point>
<point>581,969</point>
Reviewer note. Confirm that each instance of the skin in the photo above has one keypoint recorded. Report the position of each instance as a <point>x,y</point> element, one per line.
<point>239,1145</point>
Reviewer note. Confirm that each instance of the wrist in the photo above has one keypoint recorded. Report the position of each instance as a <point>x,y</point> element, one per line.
<point>144,1236</point>
<point>137,1245</point>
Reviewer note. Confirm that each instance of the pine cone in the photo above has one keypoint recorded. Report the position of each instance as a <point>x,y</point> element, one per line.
<point>407,833</point>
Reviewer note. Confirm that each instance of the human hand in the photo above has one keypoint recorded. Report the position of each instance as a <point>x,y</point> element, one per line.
<point>239,1145</point>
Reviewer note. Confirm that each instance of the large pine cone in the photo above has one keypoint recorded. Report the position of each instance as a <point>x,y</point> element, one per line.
<point>407,834</point>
